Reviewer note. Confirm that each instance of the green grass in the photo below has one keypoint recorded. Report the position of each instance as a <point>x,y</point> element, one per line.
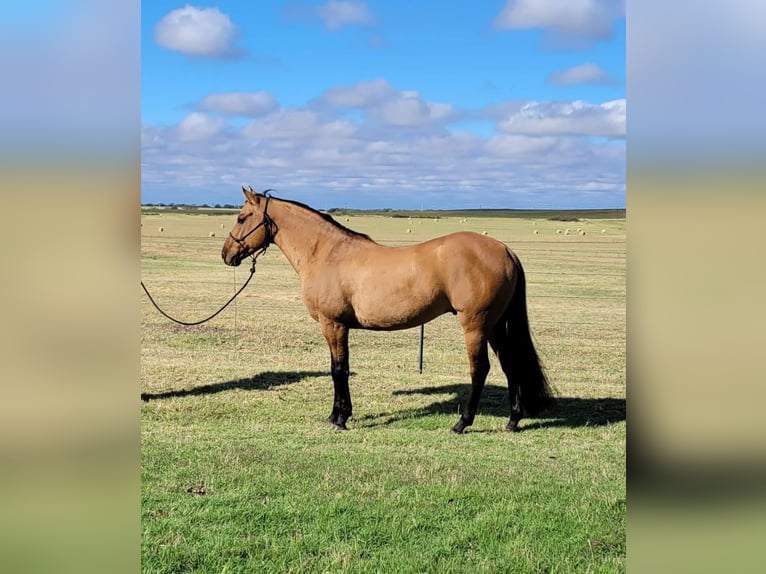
<point>236,407</point>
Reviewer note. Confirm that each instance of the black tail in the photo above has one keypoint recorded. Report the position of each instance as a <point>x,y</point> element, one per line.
<point>524,364</point>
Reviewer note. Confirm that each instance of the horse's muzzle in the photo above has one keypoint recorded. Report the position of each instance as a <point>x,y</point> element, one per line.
<point>229,255</point>
<point>233,260</point>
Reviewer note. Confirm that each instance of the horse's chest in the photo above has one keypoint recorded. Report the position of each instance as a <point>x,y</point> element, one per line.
<point>323,298</point>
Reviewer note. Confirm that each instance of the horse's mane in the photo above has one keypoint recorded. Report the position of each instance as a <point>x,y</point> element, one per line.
<point>329,219</point>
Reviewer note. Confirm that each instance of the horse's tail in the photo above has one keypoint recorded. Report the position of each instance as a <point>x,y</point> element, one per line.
<point>524,364</point>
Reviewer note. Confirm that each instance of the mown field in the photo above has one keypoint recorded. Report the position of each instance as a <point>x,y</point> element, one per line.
<point>240,473</point>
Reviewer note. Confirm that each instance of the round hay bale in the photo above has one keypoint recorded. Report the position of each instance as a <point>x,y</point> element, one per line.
<point>559,231</point>
<point>409,230</point>
<point>536,232</point>
<point>211,234</point>
<point>484,232</point>
<point>566,232</point>
<point>223,226</point>
<point>162,229</point>
<point>348,219</point>
<point>534,223</point>
<point>603,231</point>
<point>582,232</point>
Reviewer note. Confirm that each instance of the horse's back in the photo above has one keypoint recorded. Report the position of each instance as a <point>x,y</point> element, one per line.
<point>437,261</point>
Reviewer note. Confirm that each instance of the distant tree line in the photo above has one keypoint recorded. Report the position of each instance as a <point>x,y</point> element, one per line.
<point>192,205</point>
<point>569,215</point>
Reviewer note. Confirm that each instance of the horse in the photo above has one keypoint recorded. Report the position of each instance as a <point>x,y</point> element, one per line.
<point>349,281</point>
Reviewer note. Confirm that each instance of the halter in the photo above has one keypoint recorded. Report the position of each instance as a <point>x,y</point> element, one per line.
<point>267,223</point>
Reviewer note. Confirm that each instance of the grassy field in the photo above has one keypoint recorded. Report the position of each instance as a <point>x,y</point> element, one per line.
<point>241,474</point>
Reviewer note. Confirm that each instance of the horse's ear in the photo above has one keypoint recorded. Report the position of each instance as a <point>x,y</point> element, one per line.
<point>249,195</point>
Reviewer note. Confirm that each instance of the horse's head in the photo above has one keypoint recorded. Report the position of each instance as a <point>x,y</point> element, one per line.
<point>254,229</point>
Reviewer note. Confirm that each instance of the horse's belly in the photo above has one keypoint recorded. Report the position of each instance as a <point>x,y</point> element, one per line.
<point>398,308</point>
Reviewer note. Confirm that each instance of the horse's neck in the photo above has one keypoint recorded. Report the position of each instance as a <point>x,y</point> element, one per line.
<point>303,236</point>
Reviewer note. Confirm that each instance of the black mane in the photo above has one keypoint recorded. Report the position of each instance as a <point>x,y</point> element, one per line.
<point>329,219</point>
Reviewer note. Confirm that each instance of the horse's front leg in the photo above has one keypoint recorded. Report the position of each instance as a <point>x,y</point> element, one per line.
<point>336,335</point>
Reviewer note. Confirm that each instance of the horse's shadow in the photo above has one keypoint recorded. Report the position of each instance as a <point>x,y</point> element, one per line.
<point>569,411</point>
<point>260,382</point>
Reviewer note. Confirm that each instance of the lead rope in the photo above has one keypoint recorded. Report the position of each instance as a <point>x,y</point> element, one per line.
<point>192,323</point>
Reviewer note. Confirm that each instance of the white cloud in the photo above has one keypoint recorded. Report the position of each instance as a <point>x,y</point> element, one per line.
<point>198,127</point>
<point>246,104</point>
<point>389,106</point>
<point>584,74</point>
<point>580,21</point>
<point>398,151</point>
<point>510,145</point>
<point>409,109</point>
<point>403,111</point>
<point>198,32</point>
<point>568,119</point>
<point>287,122</point>
<point>330,164</point>
<point>439,111</point>
<point>339,13</point>
<point>359,95</point>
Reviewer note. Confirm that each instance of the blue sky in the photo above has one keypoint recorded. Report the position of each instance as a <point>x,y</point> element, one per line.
<point>516,104</point>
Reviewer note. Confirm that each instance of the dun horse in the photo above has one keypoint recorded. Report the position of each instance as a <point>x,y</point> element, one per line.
<point>349,281</point>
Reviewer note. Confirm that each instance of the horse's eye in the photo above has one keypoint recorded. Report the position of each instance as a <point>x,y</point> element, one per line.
<point>241,218</point>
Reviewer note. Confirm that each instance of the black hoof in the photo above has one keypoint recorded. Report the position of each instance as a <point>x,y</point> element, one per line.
<point>339,427</point>
<point>513,427</point>
<point>460,427</point>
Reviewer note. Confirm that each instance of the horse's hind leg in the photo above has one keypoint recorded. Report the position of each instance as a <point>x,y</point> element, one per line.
<point>336,335</point>
<point>476,345</point>
<point>499,343</point>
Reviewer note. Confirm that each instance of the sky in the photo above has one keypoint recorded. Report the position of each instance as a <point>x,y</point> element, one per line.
<point>385,103</point>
